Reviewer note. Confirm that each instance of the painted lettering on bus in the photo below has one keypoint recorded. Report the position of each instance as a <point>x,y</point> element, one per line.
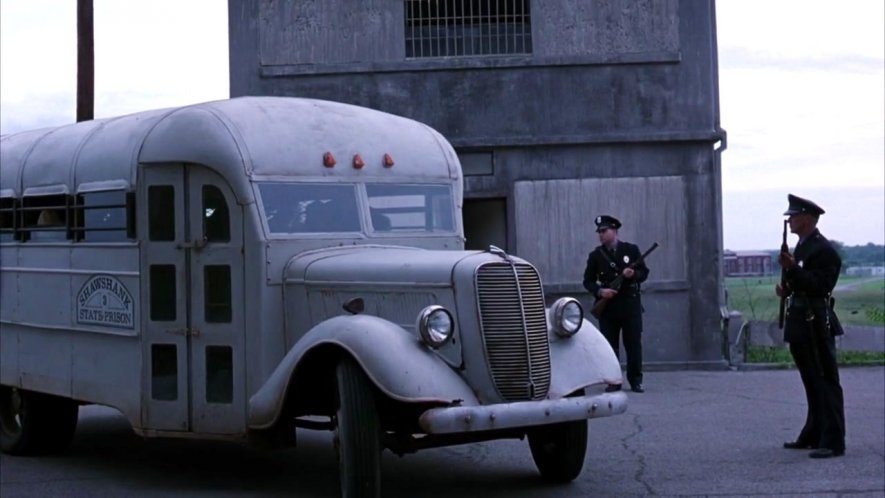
<point>104,300</point>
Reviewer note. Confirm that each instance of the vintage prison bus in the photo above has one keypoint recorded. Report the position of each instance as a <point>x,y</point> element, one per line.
<point>243,268</point>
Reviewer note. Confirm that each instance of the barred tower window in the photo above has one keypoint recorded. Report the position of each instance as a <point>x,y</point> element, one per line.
<point>463,28</point>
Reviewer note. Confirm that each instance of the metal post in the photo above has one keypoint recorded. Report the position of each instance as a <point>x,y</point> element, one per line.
<point>85,62</point>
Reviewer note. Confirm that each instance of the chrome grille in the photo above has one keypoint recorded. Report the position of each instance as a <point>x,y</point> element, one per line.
<point>514,328</point>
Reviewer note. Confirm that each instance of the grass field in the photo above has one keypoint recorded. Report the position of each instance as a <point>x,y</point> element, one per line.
<point>859,300</point>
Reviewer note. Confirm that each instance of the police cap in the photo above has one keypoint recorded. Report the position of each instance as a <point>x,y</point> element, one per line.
<point>799,205</point>
<point>605,221</point>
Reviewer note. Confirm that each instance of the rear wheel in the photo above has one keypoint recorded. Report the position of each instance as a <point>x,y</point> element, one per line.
<point>34,423</point>
<point>358,435</point>
<point>559,449</point>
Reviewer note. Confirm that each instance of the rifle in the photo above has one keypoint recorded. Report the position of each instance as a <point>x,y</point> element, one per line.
<point>615,284</point>
<point>782,310</point>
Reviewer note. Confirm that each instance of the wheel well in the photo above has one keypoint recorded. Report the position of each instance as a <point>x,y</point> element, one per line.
<point>313,392</point>
<point>312,386</point>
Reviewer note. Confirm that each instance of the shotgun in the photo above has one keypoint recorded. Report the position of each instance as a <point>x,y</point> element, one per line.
<point>615,284</point>
<point>783,307</point>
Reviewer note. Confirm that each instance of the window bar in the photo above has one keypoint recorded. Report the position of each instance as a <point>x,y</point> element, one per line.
<point>410,27</point>
<point>69,215</point>
<point>526,27</point>
<point>422,29</point>
<point>488,26</point>
<point>434,15</point>
<point>504,34</point>
<point>464,29</point>
<point>472,35</point>
<point>482,22</point>
<point>498,27</point>
<point>445,33</point>
<point>427,24</point>
<point>455,50</point>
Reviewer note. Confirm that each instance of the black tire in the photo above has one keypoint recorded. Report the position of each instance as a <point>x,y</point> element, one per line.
<point>559,449</point>
<point>358,434</point>
<point>34,423</point>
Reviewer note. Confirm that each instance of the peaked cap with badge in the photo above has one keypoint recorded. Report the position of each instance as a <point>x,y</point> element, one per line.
<point>799,205</point>
<point>605,221</point>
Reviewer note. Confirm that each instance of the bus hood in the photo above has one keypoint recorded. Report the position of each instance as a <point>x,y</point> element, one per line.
<point>372,264</point>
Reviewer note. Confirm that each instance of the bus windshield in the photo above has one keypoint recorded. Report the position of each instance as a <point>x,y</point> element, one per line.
<point>333,208</point>
<point>411,208</point>
<point>310,208</point>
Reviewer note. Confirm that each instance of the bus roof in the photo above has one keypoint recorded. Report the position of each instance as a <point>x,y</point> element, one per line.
<point>244,137</point>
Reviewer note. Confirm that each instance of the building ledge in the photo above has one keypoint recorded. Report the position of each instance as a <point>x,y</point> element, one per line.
<point>469,63</point>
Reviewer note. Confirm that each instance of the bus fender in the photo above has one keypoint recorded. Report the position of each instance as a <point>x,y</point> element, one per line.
<point>394,360</point>
<point>581,360</point>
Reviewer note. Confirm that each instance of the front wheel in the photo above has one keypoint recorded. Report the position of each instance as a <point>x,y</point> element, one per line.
<point>358,435</point>
<point>559,449</point>
<point>34,423</point>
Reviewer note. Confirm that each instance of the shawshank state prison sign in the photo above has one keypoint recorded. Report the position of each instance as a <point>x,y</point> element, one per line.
<point>104,300</point>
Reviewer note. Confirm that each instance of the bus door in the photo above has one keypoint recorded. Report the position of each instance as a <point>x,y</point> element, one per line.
<point>193,256</point>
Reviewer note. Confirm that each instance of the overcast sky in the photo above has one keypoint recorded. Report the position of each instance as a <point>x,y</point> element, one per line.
<point>802,94</point>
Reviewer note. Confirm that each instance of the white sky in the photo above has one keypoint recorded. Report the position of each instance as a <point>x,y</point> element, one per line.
<point>802,94</point>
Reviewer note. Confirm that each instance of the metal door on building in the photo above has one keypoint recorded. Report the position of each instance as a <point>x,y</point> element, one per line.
<point>192,262</point>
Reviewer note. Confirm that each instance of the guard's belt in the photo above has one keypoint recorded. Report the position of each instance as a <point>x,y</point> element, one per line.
<point>800,301</point>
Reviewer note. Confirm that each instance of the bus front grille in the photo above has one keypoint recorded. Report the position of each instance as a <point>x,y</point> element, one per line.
<point>514,329</point>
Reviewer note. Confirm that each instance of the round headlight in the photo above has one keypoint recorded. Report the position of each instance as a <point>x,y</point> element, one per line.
<point>568,315</point>
<point>435,325</point>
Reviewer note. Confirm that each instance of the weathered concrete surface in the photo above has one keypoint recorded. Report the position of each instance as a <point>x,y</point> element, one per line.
<point>693,433</point>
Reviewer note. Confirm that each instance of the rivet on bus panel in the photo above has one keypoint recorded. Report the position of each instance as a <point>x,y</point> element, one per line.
<point>328,160</point>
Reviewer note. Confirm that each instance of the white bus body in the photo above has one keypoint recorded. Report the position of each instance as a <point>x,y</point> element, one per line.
<point>241,268</point>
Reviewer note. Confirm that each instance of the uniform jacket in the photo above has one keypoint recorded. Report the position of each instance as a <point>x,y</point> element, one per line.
<point>810,284</point>
<point>599,271</point>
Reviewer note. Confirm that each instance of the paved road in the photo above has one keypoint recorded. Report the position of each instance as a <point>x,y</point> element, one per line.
<point>693,433</point>
<point>857,283</point>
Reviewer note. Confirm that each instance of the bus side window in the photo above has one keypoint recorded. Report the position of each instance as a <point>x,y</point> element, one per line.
<point>104,216</point>
<point>8,207</point>
<point>161,213</point>
<point>164,372</point>
<point>44,218</point>
<point>216,219</point>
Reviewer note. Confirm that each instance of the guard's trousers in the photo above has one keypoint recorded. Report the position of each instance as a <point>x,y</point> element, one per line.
<point>624,314</point>
<point>825,419</point>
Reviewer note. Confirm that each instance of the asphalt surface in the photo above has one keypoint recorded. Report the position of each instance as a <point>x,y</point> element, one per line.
<point>693,433</point>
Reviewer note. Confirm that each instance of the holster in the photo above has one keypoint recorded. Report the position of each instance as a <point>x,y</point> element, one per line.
<point>833,320</point>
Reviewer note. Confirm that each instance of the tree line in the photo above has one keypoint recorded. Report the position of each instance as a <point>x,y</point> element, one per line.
<point>863,255</point>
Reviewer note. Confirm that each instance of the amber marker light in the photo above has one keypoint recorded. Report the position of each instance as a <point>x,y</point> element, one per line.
<point>328,160</point>
<point>388,161</point>
<point>358,162</point>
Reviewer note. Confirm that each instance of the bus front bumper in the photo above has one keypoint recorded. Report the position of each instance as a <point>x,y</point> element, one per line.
<point>460,419</point>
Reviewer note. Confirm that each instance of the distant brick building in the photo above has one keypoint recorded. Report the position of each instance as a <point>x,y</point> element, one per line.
<point>747,264</point>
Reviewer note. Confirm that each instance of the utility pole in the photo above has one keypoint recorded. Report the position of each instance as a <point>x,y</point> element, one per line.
<point>85,62</point>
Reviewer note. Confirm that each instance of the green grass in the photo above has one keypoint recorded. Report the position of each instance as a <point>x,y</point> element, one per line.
<point>766,354</point>
<point>859,300</point>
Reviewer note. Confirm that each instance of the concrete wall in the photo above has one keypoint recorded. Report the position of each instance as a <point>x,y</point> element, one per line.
<point>615,110</point>
<point>856,337</point>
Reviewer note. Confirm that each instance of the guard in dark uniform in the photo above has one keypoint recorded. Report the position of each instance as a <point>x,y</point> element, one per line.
<point>624,310</point>
<point>810,326</point>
